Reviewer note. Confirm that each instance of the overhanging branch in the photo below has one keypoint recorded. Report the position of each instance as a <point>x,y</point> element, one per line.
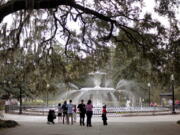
<point>17,5</point>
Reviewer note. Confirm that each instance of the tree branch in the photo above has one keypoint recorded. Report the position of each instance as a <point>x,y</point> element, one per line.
<point>17,5</point>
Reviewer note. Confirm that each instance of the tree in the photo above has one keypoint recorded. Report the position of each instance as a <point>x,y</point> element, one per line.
<point>114,14</point>
<point>155,66</point>
<point>39,25</point>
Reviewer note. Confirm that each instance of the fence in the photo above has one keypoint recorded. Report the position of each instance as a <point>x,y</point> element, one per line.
<point>43,110</point>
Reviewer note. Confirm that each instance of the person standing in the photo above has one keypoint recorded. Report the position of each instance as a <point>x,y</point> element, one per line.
<point>104,117</point>
<point>59,112</point>
<point>64,109</point>
<point>82,111</point>
<point>70,112</point>
<point>89,112</point>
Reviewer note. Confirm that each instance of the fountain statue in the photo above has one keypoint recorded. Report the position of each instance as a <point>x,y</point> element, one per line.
<point>128,103</point>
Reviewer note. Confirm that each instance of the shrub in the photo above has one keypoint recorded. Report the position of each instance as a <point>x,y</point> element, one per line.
<point>7,123</point>
<point>178,122</point>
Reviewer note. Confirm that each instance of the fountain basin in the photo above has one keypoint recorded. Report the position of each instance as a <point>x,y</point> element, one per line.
<point>97,89</point>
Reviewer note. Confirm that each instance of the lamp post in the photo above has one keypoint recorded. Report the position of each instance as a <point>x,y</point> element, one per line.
<point>20,99</point>
<point>149,86</point>
<point>173,97</point>
<point>47,95</point>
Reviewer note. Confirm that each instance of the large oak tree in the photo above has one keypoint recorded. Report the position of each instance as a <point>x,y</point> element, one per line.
<point>85,29</point>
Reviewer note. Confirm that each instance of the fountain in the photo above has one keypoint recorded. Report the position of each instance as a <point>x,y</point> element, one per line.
<point>98,94</point>
<point>119,100</point>
<point>101,95</point>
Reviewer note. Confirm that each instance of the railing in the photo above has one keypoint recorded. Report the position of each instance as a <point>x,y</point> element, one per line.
<point>120,110</point>
<point>43,110</point>
<point>29,109</point>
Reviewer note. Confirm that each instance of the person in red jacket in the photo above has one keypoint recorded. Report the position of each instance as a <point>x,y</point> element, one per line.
<point>104,117</point>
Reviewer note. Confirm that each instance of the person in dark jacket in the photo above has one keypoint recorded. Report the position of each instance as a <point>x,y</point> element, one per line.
<point>82,111</point>
<point>51,116</point>
<point>65,115</point>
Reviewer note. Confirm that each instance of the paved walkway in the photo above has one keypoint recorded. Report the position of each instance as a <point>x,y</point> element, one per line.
<point>141,125</point>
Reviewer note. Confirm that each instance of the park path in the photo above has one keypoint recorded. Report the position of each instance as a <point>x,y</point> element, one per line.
<point>141,125</point>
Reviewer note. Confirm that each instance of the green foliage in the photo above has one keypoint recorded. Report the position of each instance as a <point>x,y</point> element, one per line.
<point>1,107</point>
<point>129,63</point>
<point>41,46</point>
<point>153,66</point>
<point>34,102</point>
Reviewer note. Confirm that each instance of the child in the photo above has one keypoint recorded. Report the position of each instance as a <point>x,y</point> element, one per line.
<point>51,116</point>
<point>104,117</point>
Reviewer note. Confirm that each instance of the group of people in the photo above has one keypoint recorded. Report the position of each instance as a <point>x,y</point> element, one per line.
<point>67,112</point>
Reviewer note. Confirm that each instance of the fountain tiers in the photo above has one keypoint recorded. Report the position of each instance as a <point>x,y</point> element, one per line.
<point>99,95</point>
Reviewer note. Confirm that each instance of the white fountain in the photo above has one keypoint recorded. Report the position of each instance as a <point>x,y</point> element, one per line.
<point>98,94</point>
<point>105,95</point>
